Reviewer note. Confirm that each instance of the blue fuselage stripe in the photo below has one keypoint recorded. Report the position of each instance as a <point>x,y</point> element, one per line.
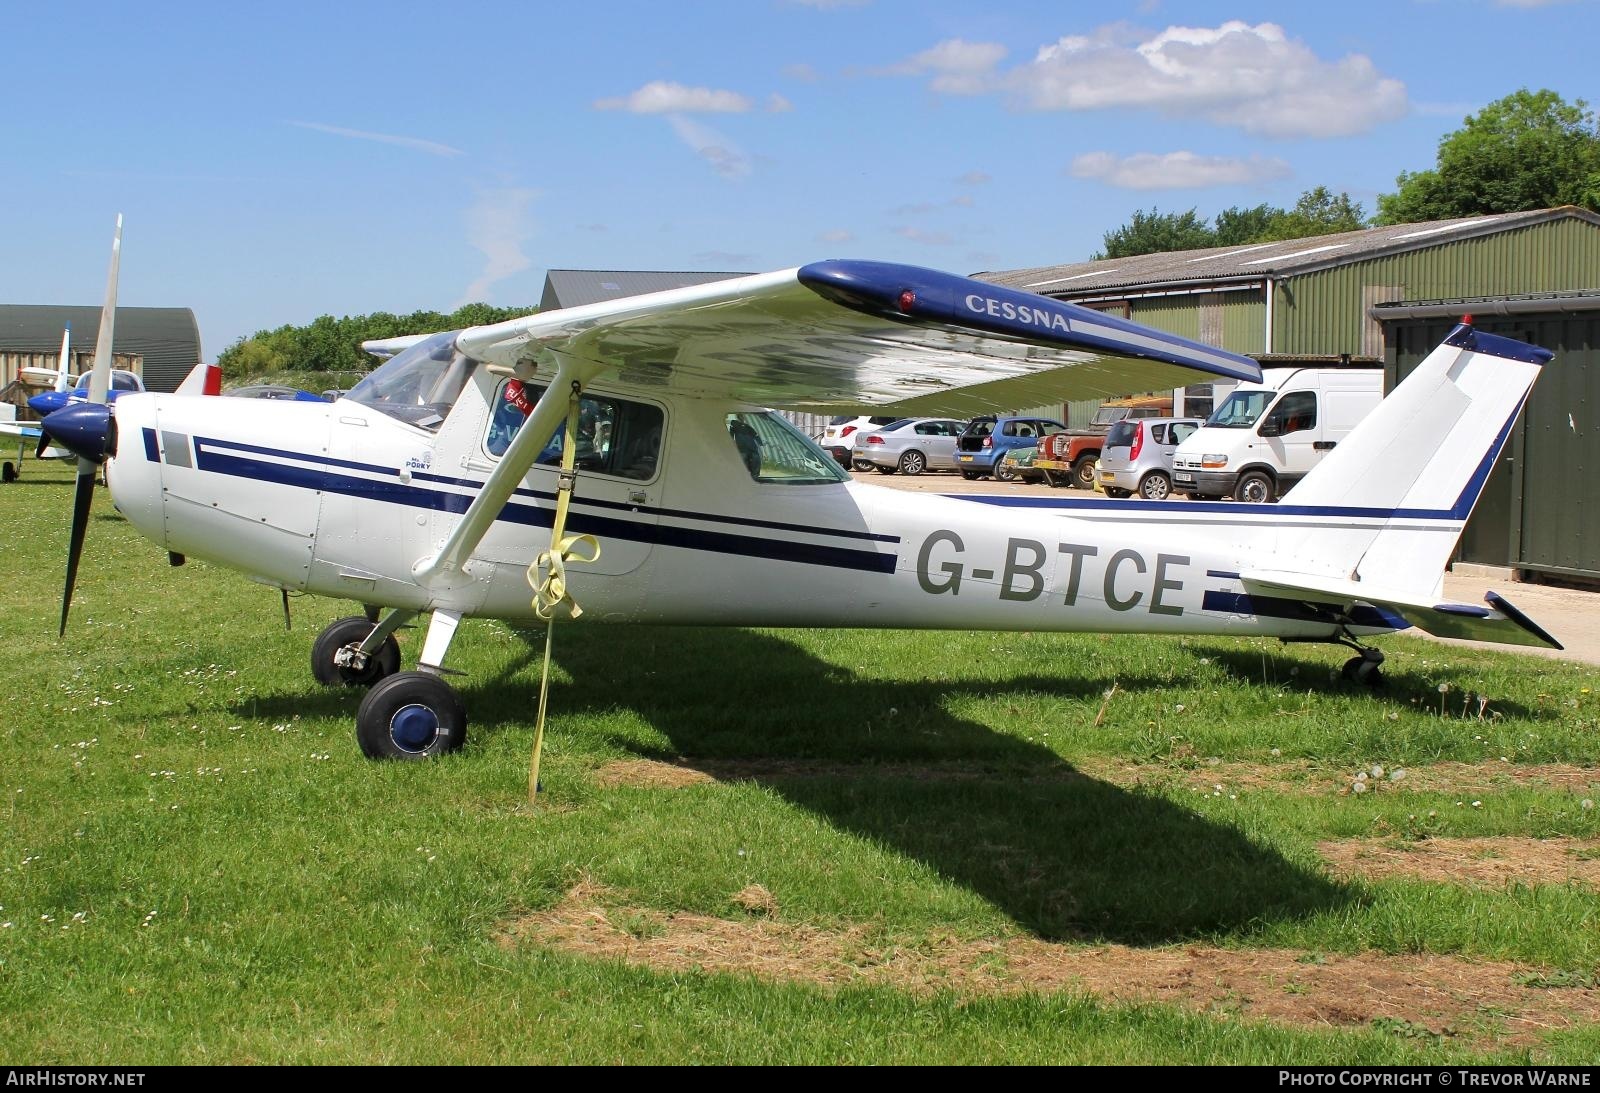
<point>399,493</point>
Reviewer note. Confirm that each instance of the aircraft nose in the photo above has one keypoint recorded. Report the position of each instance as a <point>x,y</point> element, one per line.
<point>86,429</point>
<point>46,403</point>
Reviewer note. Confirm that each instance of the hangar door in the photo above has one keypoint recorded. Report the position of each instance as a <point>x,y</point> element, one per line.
<point>1540,510</point>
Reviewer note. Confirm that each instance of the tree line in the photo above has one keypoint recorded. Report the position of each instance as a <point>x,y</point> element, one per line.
<point>1529,150</point>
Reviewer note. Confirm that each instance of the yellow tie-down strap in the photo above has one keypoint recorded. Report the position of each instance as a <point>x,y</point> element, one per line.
<point>548,573</point>
<point>548,576</point>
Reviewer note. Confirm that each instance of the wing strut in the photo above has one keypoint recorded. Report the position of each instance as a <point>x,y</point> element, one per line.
<point>502,481</point>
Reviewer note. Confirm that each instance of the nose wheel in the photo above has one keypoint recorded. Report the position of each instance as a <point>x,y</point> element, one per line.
<point>411,715</point>
<point>337,659</point>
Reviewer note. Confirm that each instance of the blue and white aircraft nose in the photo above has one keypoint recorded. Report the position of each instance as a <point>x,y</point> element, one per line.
<point>48,402</point>
<point>83,428</point>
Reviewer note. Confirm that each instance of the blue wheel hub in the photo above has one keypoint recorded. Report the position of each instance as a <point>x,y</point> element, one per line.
<point>414,727</point>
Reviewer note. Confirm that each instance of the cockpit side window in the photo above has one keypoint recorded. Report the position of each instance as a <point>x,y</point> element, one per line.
<point>420,385</point>
<point>615,436</point>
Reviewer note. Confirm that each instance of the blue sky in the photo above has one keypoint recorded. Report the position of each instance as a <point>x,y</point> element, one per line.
<point>278,162</point>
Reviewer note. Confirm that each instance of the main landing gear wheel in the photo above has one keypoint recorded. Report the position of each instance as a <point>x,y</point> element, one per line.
<point>411,715</point>
<point>345,633</point>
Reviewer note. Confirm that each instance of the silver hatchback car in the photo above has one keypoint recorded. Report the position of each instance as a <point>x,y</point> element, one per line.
<point>1137,456</point>
<point>911,445</point>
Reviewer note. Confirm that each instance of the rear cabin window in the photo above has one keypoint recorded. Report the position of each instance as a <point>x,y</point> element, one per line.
<point>774,451</point>
<point>615,436</point>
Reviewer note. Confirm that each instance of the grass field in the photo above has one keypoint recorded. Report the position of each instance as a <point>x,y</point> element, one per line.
<point>774,846</point>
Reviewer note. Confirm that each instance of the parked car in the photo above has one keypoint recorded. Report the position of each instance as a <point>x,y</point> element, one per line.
<point>986,440</point>
<point>1267,436</point>
<point>838,438</point>
<point>1070,457</point>
<point>911,445</point>
<point>1137,457</point>
<point>1017,465</point>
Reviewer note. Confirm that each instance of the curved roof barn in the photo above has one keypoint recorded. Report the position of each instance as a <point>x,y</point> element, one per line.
<point>167,338</point>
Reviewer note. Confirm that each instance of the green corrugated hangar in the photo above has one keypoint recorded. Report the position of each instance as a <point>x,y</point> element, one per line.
<point>1392,293</point>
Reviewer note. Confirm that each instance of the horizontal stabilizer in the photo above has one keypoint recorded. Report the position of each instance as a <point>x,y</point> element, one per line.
<point>1499,621</point>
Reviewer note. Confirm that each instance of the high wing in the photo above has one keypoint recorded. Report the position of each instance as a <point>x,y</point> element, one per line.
<point>821,337</point>
<point>843,334</point>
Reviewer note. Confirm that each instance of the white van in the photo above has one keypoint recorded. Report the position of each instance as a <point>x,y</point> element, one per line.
<point>1267,436</point>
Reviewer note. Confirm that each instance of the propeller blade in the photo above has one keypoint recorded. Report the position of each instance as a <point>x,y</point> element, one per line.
<point>98,432</point>
<point>44,444</point>
<point>82,498</point>
<point>100,381</point>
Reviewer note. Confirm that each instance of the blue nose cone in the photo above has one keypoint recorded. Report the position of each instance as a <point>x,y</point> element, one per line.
<point>83,428</point>
<point>48,402</point>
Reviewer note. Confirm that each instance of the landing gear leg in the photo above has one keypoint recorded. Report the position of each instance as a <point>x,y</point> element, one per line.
<point>1363,668</point>
<point>415,715</point>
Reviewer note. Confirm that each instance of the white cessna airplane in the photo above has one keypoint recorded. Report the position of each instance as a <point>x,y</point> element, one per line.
<point>432,486</point>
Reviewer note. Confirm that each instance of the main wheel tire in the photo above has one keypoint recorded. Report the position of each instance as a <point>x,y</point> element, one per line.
<point>913,463</point>
<point>1083,471</point>
<point>411,715</point>
<point>8,471</point>
<point>1155,486</point>
<point>352,631</point>
<point>1255,488</point>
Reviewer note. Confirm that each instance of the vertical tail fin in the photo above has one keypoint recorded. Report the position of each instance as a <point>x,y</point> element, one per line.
<point>1416,465</point>
<point>203,379</point>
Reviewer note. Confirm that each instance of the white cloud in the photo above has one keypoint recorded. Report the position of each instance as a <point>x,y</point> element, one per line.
<point>1176,170</point>
<point>725,157</point>
<point>836,235</point>
<point>725,257</point>
<point>777,104</point>
<point>498,225</point>
<point>958,67</point>
<point>665,97</point>
<point>416,144</point>
<point>803,72</point>
<point>975,178</point>
<point>921,235</point>
<point>1251,77</point>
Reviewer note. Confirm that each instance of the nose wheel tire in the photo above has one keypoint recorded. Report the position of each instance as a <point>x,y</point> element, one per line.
<point>411,715</point>
<point>347,632</point>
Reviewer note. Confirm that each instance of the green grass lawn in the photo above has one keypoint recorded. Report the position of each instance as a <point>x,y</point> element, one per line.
<point>197,866</point>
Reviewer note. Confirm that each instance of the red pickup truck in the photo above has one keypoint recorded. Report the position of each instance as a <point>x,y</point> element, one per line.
<point>1068,459</point>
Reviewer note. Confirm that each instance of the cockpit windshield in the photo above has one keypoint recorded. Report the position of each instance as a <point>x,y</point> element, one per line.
<point>420,384</point>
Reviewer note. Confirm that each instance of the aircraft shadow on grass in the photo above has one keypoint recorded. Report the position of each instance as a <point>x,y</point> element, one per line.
<point>1063,854</point>
<point>1402,688</point>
